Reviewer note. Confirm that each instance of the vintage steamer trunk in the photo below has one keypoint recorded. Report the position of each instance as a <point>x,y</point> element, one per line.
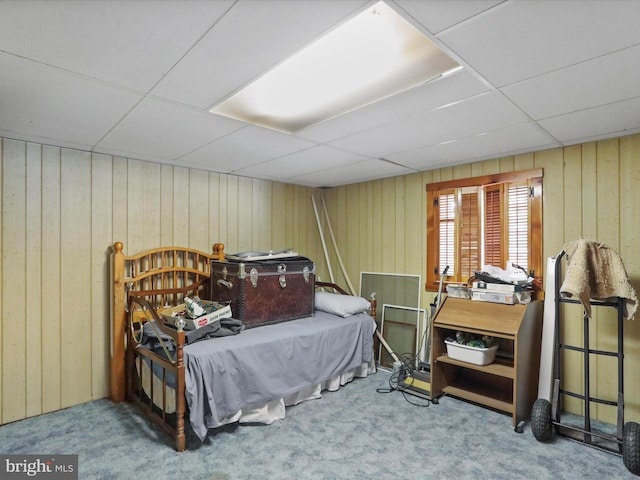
<point>266,291</point>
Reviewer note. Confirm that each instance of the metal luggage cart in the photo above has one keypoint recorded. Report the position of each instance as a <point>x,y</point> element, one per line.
<point>546,415</point>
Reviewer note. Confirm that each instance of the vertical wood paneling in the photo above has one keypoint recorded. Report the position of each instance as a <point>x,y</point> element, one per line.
<point>245,214</point>
<point>166,206</point>
<point>279,205</point>
<point>120,204</point>
<point>180,214</point>
<point>75,276</point>
<point>14,331</point>
<point>101,228</point>
<point>151,194</point>
<point>629,241</point>
<point>33,266</point>
<point>2,385</point>
<point>52,288</point>
<point>604,322</point>
<point>232,212</point>
<point>573,191</point>
<point>198,194</point>
<point>62,210</point>
<point>135,202</point>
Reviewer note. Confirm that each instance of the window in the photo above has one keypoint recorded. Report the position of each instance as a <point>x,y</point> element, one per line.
<point>490,220</point>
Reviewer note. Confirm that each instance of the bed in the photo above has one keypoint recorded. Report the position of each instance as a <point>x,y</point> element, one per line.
<point>240,375</point>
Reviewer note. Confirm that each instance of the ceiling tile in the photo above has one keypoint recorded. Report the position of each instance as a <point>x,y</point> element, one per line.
<point>499,143</point>
<point>475,115</point>
<point>303,162</point>
<point>436,15</point>
<point>519,40</point>
<point>159,130</point>
<point>244,147</point>
<point>603,80</point>
<point>357,172</point>
<point>51,106</point>
<point>615,119</point>
<point>128,43</point>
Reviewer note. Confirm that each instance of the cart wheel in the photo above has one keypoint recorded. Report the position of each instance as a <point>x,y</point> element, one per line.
<point>631,447</point>
<point>541,420</point>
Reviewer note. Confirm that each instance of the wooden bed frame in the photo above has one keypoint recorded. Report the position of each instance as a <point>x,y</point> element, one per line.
<point>143,283</point>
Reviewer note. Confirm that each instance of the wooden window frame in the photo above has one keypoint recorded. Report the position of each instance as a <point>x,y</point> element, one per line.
<point>533,177</point>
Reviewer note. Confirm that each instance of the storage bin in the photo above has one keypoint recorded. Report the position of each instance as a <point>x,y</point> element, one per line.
<point>475,355</point>
<point>458,291</point>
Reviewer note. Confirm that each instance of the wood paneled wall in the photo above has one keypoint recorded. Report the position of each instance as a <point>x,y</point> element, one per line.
<point>590,191</point>
<point>62,210</point>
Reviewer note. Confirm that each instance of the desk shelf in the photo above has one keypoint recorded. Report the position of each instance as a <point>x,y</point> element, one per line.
<point>509,384</point>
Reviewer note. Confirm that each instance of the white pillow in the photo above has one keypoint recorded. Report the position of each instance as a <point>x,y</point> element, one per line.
<point>342,305</point>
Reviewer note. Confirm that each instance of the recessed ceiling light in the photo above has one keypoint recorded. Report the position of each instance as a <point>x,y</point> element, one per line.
<point>374,55</point>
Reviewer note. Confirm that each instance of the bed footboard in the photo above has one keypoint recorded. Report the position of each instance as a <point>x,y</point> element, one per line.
<point>167,407</point>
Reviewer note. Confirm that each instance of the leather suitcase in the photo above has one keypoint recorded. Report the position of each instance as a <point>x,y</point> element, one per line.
<point>266,291</point>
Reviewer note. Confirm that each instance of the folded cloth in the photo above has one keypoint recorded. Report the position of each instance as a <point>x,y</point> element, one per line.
<point>153,338</point>
<point>224,328</point>
<point>595,271</point>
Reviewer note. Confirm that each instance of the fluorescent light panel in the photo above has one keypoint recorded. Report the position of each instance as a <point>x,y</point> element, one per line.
<point>374,55</point>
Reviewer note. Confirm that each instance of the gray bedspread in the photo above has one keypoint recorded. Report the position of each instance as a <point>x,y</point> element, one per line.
<point>224,375</point>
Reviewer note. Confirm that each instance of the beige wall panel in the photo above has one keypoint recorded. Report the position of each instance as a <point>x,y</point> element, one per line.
<point>589,192</point>
<point>629,241</point>
<point>198,193</point>
<point>523,161</point>
<point>506,164</point>
<point>214,210</point>
<point>413,251</point>
<point>232,212</point>
<point>120,203</point>
<point>101,229</point>
<point>262,213</point>
<point>462,171</point>
<point>608,192</point>
<point>1,279</point>
<point>135,241</point>
<point>388,233</point>
<point>476,169</point>
<point>245,214</point>
<point>33,267</point>
<point>75,277</point>
<point>14,334</point>
<point>378,228</point>
<point>553,195</point>
<point>278,221</point>
<point>223,211</point>
<point>151,202</point>
<point>572,192</point>
<point>604,322</point>
<point>166,206</point>
<point>180,212</point>
<point>400,226</point>
<point>290,217</point>
<point>51,286</point>
<point>490,166</point>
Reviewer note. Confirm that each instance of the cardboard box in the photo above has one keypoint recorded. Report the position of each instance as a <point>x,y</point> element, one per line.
<point>475,355</point>
<point>483,295</point>
<point>180,311</point>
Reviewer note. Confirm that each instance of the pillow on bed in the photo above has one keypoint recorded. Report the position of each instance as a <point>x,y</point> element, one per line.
<point>342,305</point>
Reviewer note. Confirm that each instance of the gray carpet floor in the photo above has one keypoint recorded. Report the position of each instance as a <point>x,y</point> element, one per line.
<point>354,433</point>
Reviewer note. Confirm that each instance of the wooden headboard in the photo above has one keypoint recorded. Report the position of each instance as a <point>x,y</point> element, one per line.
<point>150,272</point>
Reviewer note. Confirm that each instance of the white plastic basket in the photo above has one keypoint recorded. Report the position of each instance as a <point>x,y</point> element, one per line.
<point>475,355</point>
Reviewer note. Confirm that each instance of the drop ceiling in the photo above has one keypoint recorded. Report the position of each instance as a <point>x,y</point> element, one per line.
<point>136,79</point>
